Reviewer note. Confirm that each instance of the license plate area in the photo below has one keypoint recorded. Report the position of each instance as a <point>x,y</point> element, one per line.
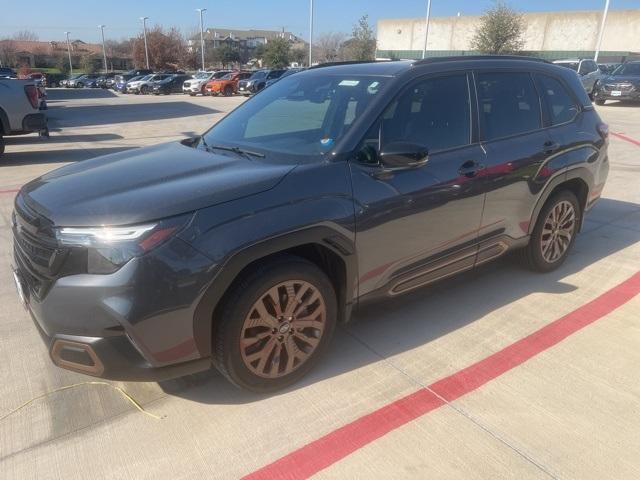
<point>616,93</point>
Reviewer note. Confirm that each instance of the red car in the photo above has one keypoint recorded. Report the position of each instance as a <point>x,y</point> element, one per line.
<point>227,85</point>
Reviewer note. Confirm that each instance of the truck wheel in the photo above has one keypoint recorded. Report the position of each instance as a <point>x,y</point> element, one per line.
<point>274,324</point>
<point>554,233</point>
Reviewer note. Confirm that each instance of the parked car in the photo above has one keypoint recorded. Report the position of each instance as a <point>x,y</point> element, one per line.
<point>337,186</point>
<point>286,73</point>
<point>103,80</point>
<point>120,84</point>
<point>7,72</point>
<point>87,80</point>
<point>623,84</point>
<point>588,71</point>
<point>195,85</point>
<point>226,85</point>
<point>145,84</point>
<point>53,80</point>
<point>20,110</point>
<point>65,82</point>
<point>257,81</point>
<point>171,84</point>
<point>607,68</point>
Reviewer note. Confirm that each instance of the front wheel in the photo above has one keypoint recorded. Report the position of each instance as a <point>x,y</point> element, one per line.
<point>144,89</point>
<point>228,91</point>
<point>275,324</point>
<point>554,233</point>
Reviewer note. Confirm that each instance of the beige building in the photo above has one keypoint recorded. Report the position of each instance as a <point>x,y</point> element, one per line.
<point>551,35</point>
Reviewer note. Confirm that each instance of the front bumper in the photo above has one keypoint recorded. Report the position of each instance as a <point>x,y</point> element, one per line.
<point>134,324</point>
<point>192,89</point>
<point>611,94</point>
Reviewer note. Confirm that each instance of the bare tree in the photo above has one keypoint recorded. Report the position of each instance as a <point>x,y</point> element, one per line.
<point>7,52</point>
<point>25,36</point>
<point>328,47</point>
<point>166,48</point>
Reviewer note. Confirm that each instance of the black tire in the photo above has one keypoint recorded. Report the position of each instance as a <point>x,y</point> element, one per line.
<point>203,90</point>
<point>1,145</point>
<point>144,89</point>
<point>228,91</point>
<point>599,101</point>
<point>532,256</point>
<point>80,85</point>
<point>238,305</point>
<point>191,94</point>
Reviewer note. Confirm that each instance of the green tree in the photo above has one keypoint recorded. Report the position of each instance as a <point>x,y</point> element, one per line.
<point>500,31</point>
<point>276,53</point>
<point>362,44</point>
<point>226,55</point>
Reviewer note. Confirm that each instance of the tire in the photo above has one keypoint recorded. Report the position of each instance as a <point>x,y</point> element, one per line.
<point>599,101</point>
<point>228,91</point>
<point>53,85</point>
<point>272,369</point>
<point>80,85</point>
<point>144,89</point>
<point>191,94</point>
<point>540,259</point>
<point>203,90</point>
<point>1,145</point>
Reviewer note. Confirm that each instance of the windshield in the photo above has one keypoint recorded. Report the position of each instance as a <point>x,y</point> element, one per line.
<point>300,115</point>
<point>146,77</point>
<point>228,76</point>
<point>258,75</point>
<point>628,69</point>
<point>202,75</point>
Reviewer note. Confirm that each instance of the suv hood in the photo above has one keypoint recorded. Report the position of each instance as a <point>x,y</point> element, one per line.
<point>635,79</point>
<point>146,184</point>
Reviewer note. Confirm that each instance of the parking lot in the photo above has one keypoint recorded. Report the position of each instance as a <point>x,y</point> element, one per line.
<point>499,373</point>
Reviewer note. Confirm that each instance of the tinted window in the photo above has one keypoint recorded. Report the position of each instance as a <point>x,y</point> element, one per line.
<point>588,66</point>
<point>508,104</point>
<point>300,115</point>
<point>628,69</point>
<point>558,101</point>
<point>434,113</point>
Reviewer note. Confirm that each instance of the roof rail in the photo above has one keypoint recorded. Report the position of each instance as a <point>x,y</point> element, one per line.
<point>348,62</point>
<point>459,58</point>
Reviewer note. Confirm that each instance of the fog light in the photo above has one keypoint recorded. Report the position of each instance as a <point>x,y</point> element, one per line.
<point>76,356</point>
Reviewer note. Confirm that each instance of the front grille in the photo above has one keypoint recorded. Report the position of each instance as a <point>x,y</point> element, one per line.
<point>36,251</point>
<point>623,87</point>
<point>242,84</point>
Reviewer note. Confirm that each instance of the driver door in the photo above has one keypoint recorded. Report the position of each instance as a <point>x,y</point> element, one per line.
<point>418,224</point>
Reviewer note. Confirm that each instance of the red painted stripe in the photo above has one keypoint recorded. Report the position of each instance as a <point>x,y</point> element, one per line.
<point>624,137</point>
<point>336,445</point>
<point>15,190</point>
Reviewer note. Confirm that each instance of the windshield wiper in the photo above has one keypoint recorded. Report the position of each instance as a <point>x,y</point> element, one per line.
<point>238,150</point>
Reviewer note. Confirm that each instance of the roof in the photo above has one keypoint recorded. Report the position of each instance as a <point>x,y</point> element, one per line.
<point>44,48</point>
<point>238,34</point>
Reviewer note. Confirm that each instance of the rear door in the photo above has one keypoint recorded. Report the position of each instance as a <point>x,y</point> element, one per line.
<point>415,225</point>
<point>517,145</point>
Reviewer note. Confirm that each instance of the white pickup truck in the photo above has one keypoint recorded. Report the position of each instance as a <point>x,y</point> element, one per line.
<point>19,109</point>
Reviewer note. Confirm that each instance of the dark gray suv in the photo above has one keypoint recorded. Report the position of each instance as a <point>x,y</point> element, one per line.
<point>340,185</point>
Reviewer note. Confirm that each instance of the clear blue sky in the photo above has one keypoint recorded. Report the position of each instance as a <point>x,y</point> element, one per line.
<point>49,18</point>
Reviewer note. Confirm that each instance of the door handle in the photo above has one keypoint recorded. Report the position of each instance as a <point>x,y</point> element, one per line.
<point>551,147</point>
<point>470,169</point>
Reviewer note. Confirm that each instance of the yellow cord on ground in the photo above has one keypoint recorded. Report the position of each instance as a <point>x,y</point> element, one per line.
<point>67,387</point>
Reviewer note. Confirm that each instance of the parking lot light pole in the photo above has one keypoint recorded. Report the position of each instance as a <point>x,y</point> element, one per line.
<point>144,29</point>
<point>310,32</point>
<point>69,52</point>
<point>201,11</point>
<point>601,34</point>
<point>426,28</point>
<point>104,49</point>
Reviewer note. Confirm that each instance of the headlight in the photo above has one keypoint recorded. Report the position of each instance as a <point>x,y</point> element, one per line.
<point>109,248</point>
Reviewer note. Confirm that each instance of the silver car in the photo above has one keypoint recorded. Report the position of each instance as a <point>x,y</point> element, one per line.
<point>588,71</point>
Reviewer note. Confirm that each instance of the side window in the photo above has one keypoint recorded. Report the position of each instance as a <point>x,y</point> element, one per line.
<point>508,104</point>
<point>559,103</point>
<point>434,113</point>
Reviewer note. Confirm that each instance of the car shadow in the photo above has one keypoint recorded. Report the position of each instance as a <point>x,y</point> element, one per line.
<point>400,324</point>
<point>89,115</point>
<point>55,156</point>
<point>62,138</point>
<point>55,94</point>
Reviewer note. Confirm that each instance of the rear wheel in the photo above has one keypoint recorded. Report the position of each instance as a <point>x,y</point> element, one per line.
<point>203,90</point>
<point>275,324</point>
<point>228,91</point>
<point>554,233</point>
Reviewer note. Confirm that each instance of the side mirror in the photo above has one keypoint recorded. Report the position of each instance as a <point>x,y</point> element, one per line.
<point>403,154</point>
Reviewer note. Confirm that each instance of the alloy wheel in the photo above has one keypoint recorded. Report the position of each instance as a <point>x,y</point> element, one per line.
<point>283,329</point>
<point>557,232</point>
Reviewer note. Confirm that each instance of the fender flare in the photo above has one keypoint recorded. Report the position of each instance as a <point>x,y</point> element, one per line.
<point>228,271</point>
<point>581,173</point>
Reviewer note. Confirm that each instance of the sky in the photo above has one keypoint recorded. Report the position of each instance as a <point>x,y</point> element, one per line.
<point>50,18</point>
